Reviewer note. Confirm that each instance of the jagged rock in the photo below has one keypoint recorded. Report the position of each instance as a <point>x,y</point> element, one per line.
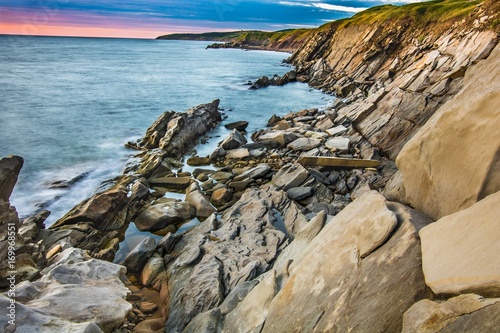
<point>304,144</point>
<point>291,175</point>
<point>10,167</point>
<point>176,183</point>
<point>168,242</point>
<point>374,255</point>
<point>199,201</point>
<point>206,322</point>
<point>156,131</point>
<point>221,196</point>
<point>160,215</point>
<point>254,173</point>
<point>234,140</point>
<point>432,317</point>
<point>276,139</point>
<point>238,125</point>
<point>443,150</point>
<point>50,304</point>
<point>107,211</point>
<point>338,144</point>
<point>138,257</point>
<point>299,193</point>
<point>460,250</point>
<point>273,120</point>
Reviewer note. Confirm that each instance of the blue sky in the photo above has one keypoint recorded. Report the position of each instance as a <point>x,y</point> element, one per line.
<point>176,16</point>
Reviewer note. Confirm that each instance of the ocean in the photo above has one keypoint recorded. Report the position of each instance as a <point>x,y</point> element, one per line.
<point>68,105</point>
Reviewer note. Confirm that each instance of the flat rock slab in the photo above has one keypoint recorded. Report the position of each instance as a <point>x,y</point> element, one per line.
<point>157,216</point>
<point>338,144</point>
<point>237,125</point>
<point>337,130</point>
<point>177,183</point>
<point>338,162</point>
<point>304,144</point>
<point>461,252</point>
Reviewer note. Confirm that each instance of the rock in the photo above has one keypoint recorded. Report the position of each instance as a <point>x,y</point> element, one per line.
<point>199,201</point>
<point>222,176</point>
<point>374,254</point>
<point>176,183</point>
<point>221,196</point>
<point>138,257</point>
<point>291,175</point>
<point>151,272</point>
<point>337,130</point>
<point>256,172</point>
<point>48,304</point>
<point>431,317</point>
<point>460,250</point>
<point>299,193</point>
<point>168,242</point>
<point>156,131</point>
<point>460,142</point>
<point>206,322</point>
<point>239,186</point>
<point>150,325</point>
<point>139,190</point>
<point>338,144</point>
<point>237,154</point>
<point>240,126</point>
<point>107,211</point>
<point>304,144</point>
<point>237,295</point>
<point>147,307</point>
<point>277,139</point>
<point>234,140</point>
<point>160,215</point>
<point>196,161</point>
<point>338,162</point>
<point>273,120</point>
<point>10,167</point>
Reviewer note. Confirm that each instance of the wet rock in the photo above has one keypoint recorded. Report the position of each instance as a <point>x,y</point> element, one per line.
<point>240,126</point>
<point>234,140</point>
<point>138,257</point>
<point>273,120</point>
<point>176,183</point>
<point>199,201</point>
<point>10,167</point>
<point>300,193</point>
<point>160,215</point>
<point>221,196</point>
<point>147,307</point>
<point>196,161</point>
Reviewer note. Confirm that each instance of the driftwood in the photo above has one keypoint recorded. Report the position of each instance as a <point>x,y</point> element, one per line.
<point>338,162</point>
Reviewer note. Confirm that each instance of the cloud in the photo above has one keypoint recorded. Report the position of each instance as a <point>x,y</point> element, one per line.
<point>325,6</point>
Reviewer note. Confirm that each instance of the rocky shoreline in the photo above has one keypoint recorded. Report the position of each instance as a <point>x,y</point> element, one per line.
<point>378,214</point>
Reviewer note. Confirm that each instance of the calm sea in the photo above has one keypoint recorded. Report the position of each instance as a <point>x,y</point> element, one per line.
<point>68,105</point>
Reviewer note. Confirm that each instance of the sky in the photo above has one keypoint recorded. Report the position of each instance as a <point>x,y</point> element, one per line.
<point>151,18</point>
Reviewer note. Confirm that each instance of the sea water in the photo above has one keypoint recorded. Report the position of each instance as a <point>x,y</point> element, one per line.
<point>68,105</point>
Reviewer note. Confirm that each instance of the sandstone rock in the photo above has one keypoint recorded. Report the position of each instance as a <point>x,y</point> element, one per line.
<point>159,215</point>
<point>138,257</point>
<point>49,303</point>
<point>234,140</point>
<point>237,154</point>
<point>338,144</point>
<point>221,176</point>
<point>299,193</point>
<point>199,201</point>
<point>156,131</point>
<point>176,183</point>
<point>291,175</point>
<point>10,167</point>
<point>151,272</point>
<point>431,317</point>
<point>238,125</point>
<point>304,144</point>
<point>196,161</point>
<point>221,196</point>
<point>444,149</point>
<point>337,130</point>
<point>239,186</point>
<point>273,120</point>
<point>254,173</point>
<point>147,307</point>
<point>277,138</point>
<point>460,250</point>
<point>374,255</point>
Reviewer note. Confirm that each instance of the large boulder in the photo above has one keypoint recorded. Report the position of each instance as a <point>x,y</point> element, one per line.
<point>375,278</point>
<point>461,252</point>
<point>10,167</point>
<point>196,198</point>
<point>453,161</point>
<point>138,257</point>
<point>75,294</point>
<point>160,215</point>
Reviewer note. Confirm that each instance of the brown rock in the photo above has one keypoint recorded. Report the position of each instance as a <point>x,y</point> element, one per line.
<point>177,183</point>
<point>221,196</point>
<point>147,307</point>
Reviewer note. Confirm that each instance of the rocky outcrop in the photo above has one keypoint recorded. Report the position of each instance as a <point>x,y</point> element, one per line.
<point>75,294</point>
<point>460,143</point>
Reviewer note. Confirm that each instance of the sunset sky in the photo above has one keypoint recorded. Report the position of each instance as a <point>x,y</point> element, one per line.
<point>150,18</point>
